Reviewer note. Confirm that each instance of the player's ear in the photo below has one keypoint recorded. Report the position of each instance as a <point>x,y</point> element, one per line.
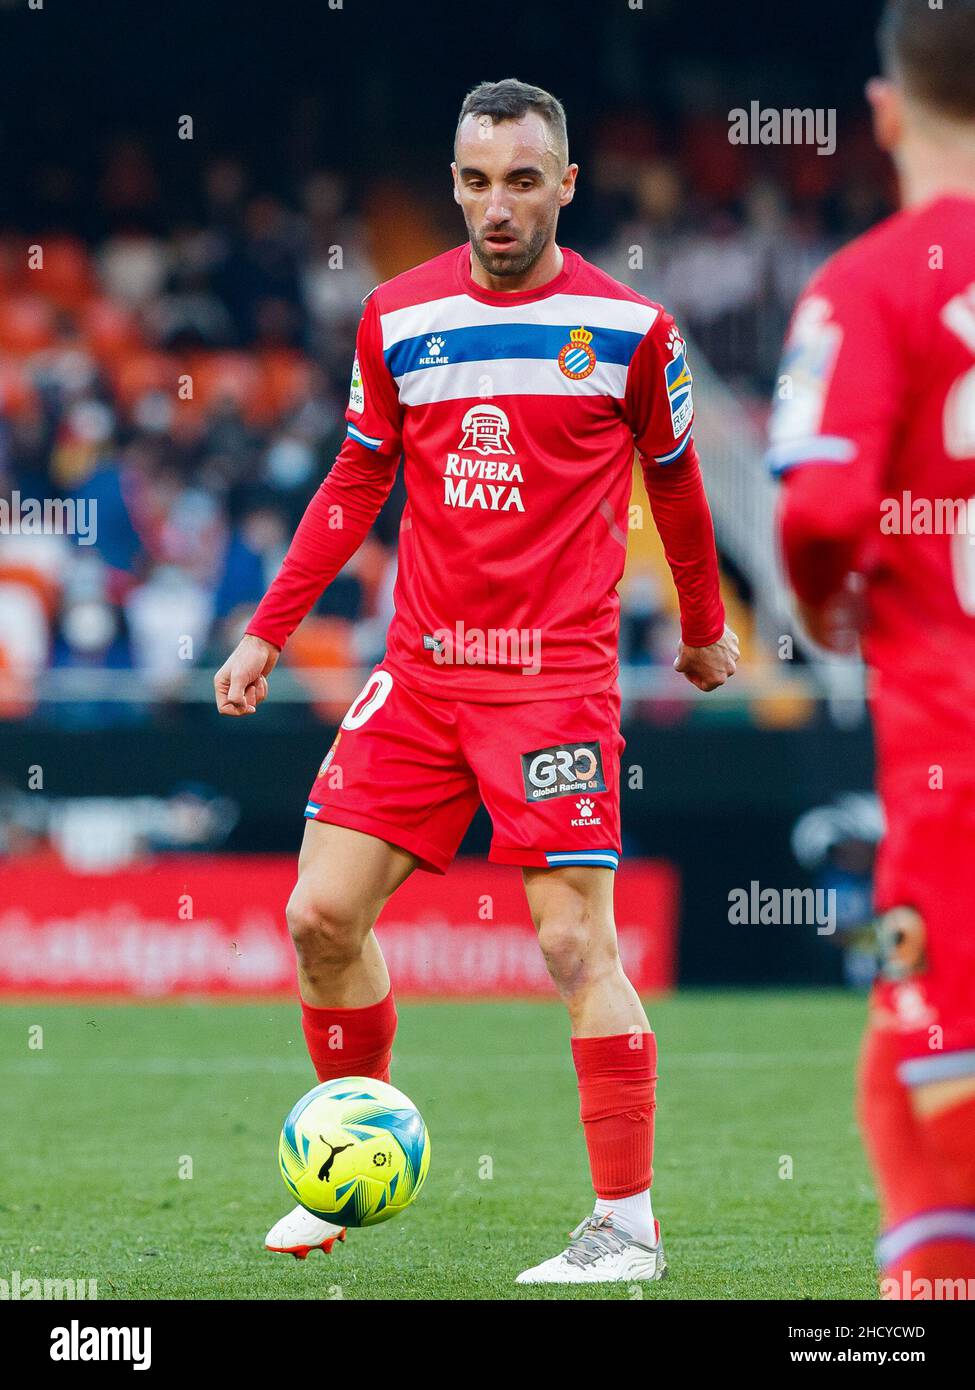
<point>568,189</point>
<point>453,172</point>
<point>887,105</point>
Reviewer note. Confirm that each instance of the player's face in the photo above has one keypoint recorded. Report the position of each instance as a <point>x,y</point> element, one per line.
<point>510,184</point>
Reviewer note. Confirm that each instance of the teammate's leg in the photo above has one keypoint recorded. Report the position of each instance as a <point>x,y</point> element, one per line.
<point>922,1152</point>
<point>615,1058</point>
<point>917,1076</point>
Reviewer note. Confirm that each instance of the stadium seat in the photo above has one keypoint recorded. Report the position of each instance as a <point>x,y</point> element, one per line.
<point>66,278</point>
<point>27,324</point>
<point>287,378</point>
<point>234,376</point>
<point>109,330</point>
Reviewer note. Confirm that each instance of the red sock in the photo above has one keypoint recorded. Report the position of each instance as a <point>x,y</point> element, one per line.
<point>617,1080</point>
<point>350,1042</point>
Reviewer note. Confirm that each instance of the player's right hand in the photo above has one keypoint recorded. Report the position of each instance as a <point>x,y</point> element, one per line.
<point>241,683</point>
<point>709,667</point>
<point>836,625</point>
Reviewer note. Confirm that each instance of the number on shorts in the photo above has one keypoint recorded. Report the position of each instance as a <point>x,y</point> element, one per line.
<point>371,697</point>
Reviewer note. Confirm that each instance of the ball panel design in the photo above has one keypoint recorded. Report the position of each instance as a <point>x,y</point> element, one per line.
<point>354,1151</point>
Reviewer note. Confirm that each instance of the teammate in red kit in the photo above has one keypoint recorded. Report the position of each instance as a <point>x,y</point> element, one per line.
<point>877,450</point>
<point>515,380</point>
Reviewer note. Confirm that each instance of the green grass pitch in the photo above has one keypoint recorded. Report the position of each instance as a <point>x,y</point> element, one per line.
<point>96,1124</point>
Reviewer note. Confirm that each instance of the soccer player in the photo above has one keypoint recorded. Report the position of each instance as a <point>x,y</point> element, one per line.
<point>877,449</point>
<point>515,380</point>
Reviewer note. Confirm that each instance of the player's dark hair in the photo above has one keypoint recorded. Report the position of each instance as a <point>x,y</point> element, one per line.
<point>509,100</point>
<point>931,51</point>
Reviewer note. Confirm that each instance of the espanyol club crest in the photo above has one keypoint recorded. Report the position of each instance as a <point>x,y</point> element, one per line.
<point>577,359</point>
<point>326,761</point>
<point>486,430</point>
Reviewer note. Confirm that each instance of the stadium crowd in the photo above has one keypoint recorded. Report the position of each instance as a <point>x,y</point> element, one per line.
<point>190,377</point>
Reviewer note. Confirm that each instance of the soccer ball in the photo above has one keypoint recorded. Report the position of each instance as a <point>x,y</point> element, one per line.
<point>354,1151</point>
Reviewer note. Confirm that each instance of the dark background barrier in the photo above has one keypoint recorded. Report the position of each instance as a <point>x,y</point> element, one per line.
<point>718,802</point>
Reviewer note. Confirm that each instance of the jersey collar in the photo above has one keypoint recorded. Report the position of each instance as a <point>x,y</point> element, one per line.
<point>570,264</point>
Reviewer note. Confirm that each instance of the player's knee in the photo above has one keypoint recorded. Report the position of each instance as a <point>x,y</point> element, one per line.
<point>574,955</point>
<point>325,932</point>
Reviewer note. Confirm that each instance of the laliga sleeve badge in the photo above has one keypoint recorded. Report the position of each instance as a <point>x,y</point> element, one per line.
<point>577,358</point>
<point>357,392</point>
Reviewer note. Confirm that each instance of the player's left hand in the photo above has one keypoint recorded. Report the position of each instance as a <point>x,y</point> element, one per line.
<point>709,667</point>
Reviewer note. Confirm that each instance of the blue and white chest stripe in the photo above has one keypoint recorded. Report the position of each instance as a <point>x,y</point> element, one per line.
<point>455,348</point>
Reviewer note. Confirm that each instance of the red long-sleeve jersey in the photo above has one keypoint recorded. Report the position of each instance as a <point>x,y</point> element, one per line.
<point>516,415</point>
<point>874,435</point>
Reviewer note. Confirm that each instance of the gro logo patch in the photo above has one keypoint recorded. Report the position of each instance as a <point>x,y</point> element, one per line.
<point>565,770</point>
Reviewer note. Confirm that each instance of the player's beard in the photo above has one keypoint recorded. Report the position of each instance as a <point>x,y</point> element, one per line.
<point>511,264</point>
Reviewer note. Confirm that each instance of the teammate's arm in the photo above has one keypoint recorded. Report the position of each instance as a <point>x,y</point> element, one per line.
<point>660,412</point>
<point>840,385</point>
<point>336,522</point>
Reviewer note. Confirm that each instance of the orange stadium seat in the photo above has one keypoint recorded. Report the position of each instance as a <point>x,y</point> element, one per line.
<point>419,235</point>
<point>27,324</point>
<point>18,399</point>
<point>320,645</point>
<point>66,278</point>
<point>134,375</point>
<point>109,330</point>
<point>219,376</point>
<point>287,377</point>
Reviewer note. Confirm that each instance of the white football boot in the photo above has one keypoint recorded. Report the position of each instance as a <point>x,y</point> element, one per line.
<point>601,1253</point>
<point>299,1232</point>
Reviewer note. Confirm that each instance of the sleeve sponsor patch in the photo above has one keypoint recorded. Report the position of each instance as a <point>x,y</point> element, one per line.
<point>805,373</point>
<point>357,392</point>
<point>679,382</point>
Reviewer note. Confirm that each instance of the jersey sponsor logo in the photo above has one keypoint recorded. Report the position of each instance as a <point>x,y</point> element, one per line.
<point>357,391</point>
<point>577,359</point>
<point>434,356</point>
<point>489,484</point>
<point>679,382</point>
<point>805,373</point>
<point>566,769</point>
<point>485,429</point>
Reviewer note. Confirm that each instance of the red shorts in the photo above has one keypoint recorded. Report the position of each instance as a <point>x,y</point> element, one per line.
<point>412,769</point>
<point>926,862</point>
